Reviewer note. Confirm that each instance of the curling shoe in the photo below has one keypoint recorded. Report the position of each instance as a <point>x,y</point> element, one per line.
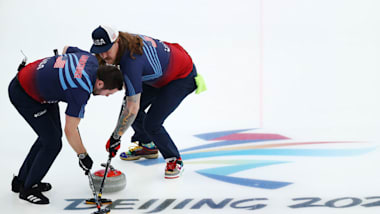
<point>148,151</point>
<point>33,196</point>
<point>16,185</point>
<point>174,168</point>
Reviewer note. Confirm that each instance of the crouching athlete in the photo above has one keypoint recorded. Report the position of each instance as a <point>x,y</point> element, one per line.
<point>35,93</point>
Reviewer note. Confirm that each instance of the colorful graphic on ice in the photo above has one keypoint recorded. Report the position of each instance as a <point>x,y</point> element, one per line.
<point>245,144</point>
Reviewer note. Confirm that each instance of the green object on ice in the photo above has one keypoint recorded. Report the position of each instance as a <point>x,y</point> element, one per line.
<point>201,85</point>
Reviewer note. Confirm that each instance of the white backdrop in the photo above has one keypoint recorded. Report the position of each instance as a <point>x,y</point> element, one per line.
<point>221,37</point>
<point>321,65</point>
<point>316,60</point>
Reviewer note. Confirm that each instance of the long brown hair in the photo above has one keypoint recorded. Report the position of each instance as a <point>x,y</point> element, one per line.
<point>132,42</point>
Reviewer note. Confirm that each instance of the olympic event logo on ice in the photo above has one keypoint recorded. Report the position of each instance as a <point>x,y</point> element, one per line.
<point>237,145</point>
<point>225,154</point>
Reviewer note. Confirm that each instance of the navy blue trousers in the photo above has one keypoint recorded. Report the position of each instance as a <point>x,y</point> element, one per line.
<point>148,125</point>
<point>45,121</point>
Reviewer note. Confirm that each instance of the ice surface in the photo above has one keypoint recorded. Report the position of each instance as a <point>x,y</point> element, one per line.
<point>307,70</point>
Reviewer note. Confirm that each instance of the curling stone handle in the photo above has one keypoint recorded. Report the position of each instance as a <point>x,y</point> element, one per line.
<point>111,167</point>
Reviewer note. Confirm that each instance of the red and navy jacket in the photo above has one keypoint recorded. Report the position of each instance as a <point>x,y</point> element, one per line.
<point>69,78</point>
<point>160,63</point>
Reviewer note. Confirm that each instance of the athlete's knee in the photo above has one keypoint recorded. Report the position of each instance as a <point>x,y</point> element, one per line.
<point>52,143</point>
<point>152,128</point>
<point>54,146</point>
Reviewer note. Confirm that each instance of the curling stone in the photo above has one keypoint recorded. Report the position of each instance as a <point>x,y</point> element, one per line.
<point>114,182</point>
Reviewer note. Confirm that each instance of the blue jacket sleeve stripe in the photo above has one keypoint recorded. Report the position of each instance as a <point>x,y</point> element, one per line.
<point>81,113</point>
<point>68,76</point>
<point>62,80</point>
<point>152,57</point>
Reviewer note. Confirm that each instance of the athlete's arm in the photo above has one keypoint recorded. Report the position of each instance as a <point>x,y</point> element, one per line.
<point>72,134</point>
<point>128,115</point>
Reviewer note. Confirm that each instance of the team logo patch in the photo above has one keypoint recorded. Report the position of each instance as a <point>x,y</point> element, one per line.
<point>38,114</point>
<point>99,42</point>
<point>60,62</point>
<point>79,69</point>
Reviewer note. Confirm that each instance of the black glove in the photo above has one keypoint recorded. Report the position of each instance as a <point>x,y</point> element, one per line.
<point>113,145</point>
<point>85,162</point>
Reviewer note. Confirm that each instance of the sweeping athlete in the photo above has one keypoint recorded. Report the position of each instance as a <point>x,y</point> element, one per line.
<point>35,93</point>
<point>158,75</point>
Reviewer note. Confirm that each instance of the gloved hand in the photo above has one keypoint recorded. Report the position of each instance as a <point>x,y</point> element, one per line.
<point>85,162</point>
<point>113,145</point>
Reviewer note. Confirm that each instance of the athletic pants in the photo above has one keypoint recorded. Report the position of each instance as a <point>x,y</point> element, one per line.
<point>148,125</point>
<point>45,121</point>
